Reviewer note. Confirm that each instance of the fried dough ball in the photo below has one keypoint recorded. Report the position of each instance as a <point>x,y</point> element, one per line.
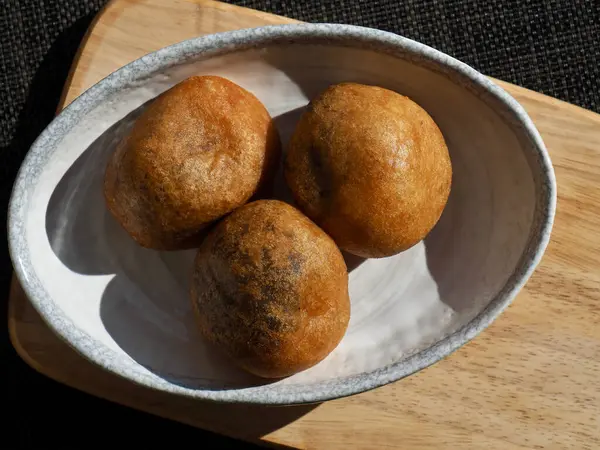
<point>270,288</point>
<point>200,150</point>
<point>370,167</point>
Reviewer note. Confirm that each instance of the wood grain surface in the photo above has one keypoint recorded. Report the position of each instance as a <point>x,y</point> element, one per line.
<point>531,380</point>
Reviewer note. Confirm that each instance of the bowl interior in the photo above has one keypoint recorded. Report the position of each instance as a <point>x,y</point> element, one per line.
<point>133,303</point>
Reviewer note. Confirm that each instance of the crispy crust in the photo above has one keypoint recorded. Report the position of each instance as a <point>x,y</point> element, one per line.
<point>370,167</point>
<point>201,149</point>
<point>270,288</point>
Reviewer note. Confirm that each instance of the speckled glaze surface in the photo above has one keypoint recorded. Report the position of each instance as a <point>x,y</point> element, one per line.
<point>127,309</point>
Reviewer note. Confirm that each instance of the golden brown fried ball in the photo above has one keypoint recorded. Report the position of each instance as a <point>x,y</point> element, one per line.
<point>200,150</point>
<point>370,167</point>
<point>270,289</point>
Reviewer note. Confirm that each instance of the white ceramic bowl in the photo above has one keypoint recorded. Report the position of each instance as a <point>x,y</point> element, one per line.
<point>127,309</point>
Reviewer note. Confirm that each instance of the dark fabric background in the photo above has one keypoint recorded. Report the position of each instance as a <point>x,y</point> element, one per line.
<point>547,45</point>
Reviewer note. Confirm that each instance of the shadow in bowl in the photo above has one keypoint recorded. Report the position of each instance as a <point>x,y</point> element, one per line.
<point>459,244</point>
<point>440,251</point>
<point>285,124</point>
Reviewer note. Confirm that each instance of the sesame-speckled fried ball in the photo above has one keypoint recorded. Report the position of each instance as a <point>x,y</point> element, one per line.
<point>270,288</point>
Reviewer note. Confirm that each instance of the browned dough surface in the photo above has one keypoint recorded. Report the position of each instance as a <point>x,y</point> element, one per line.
<point>370,167</point>
<point>271,289</point>
<point>201,149</point>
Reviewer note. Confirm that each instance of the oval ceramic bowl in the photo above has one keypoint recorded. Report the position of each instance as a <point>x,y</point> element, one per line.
<point>127,309</point>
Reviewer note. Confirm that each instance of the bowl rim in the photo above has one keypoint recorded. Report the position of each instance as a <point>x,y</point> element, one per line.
<point>233,41</point>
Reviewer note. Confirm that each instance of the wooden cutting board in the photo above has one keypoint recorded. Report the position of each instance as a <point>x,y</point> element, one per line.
<point>532,380</point>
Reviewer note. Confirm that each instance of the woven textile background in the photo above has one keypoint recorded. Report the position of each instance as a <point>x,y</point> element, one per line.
<point>546,45</point>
